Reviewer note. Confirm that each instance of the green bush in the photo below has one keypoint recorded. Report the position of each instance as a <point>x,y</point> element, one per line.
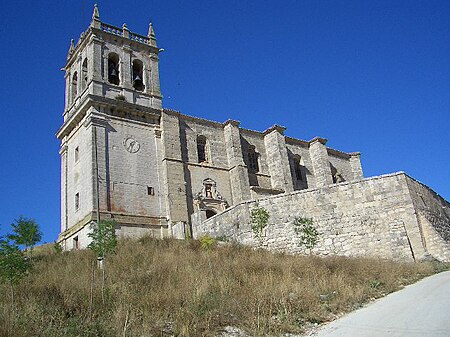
<point>304,228</point>
<point>259,218</point>
<point>207,242</point>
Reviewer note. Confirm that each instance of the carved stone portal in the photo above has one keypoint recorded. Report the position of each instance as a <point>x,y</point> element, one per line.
<point>209,199</point>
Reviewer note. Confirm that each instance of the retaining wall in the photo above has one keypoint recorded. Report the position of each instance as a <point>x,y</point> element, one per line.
<point>390,216</point>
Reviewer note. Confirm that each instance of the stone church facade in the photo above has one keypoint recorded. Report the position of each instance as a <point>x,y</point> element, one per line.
<point>157,171</point>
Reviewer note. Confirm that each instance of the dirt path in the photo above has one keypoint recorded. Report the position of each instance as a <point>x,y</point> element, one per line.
<point>421,309</point>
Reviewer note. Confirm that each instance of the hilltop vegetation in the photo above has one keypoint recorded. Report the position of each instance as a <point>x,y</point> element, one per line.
<point>183,288</point>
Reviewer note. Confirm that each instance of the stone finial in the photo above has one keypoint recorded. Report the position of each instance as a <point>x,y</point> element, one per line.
<point>95,23</point>
<point>151,31</point>
<point>95,14</point>
<point>125,31</point>
<point>71,49</point>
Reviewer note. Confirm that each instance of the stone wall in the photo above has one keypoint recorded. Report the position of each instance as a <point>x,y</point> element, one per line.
<point>341,165</point>
<point>78,176</point>
<point>433,214</point>
<point>370,217</point>
<point>130,181</point>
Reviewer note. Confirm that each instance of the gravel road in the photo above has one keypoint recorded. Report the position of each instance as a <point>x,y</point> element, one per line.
<point>421,309</point>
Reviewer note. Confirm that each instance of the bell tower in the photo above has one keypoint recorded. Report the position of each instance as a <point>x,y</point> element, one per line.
<point>111,133</point>
<point>112,63</point>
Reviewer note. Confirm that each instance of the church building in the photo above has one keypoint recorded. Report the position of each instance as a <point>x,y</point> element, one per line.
<point>126,158</point>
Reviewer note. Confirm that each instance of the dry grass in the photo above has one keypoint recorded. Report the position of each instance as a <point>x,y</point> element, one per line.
<point>168,287</point>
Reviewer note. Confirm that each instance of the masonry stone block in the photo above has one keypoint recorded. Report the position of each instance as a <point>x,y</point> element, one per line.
<point>278,161</point>
<point>320,162</point>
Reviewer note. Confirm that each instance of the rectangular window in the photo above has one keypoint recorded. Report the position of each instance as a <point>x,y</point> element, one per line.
<point>77,201</point>
<point>150,190</point>
<point>77,154</point>
<point>201,149</point>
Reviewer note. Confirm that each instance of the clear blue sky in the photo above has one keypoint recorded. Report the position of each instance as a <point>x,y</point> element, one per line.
<point>370,76</point>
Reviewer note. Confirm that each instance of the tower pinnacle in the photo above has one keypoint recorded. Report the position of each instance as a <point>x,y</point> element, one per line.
<point>71,48</point>
<point>151,31</point>
<point>95,14</point>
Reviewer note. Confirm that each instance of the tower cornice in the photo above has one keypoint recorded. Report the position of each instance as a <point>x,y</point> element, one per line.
<point>118,107</point>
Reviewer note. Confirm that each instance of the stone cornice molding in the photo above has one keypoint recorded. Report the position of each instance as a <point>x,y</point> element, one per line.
<point>321,140</point>
<point>63,149</point>
<point>96,119</point>
<point>277,128</point>
<point>232,122</point>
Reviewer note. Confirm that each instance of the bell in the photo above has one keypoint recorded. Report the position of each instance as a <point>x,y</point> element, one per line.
<point>113,72</point>
<point>137,80</point>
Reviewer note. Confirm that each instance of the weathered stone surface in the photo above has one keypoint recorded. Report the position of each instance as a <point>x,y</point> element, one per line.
<point>371,217</point>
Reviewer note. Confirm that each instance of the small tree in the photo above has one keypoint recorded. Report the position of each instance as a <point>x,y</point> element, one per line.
<point>104,240</point>
<point>25,233</point>
<point>309,236</point>
<point>259,218</point>
<point>13,264</point>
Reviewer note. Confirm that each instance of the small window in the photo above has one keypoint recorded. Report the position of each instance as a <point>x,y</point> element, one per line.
<point>150,190</point>
<point>201,149</point>
<point>74,86</point>
<point>77,201</point>
<point>84,74</point>
<point>76,244</point>
<point>77,154</point>
<point>113,69</point>
<point>252,155</point>
<point>208,191</point>
<point>138,78</point>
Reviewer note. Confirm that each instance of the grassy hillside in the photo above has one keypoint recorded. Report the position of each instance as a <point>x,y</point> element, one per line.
<point>168,287</point>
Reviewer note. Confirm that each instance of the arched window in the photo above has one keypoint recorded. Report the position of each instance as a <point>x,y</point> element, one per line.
<point>201,149</point>
<point>252,155</point>
<point>84,74</point>
<point>113,69</point>
<point>138,78</point>
<point>74,86</point>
